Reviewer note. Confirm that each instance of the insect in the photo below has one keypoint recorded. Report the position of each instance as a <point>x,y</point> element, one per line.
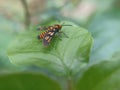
<point>49,33</point>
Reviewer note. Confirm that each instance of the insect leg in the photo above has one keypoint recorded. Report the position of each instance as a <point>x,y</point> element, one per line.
<point>64,34</point>
<point>58,35</point>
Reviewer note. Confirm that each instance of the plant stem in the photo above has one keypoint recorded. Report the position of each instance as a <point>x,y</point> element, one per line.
<point>70,84</point>
<point>27,14</point>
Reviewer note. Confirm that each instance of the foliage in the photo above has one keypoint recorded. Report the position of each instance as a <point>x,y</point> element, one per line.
<point>61,56</point>
<point>101,76</point>
<point>27,81</point>
<point>67,57</point>
<point>69,63</point>
<point>7,33</point>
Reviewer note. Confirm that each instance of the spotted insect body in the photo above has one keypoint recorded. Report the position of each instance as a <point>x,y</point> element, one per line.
<point>49,33</point>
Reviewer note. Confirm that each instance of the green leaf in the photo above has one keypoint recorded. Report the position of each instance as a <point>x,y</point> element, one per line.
<point>105,30</point>
<point>64,57</point>
<point>27,81</point>
<point>7,33</point>
<point>102,76</point>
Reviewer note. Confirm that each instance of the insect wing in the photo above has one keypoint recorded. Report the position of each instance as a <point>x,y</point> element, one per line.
<point>47,38</point>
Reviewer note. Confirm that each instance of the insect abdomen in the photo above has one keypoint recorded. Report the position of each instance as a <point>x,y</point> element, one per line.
<point>41,36</point>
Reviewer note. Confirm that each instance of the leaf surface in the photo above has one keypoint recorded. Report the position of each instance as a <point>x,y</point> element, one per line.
<point>27,81</point>
<point>66,56</point>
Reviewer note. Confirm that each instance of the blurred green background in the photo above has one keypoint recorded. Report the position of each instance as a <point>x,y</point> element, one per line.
<point>100,17</point>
